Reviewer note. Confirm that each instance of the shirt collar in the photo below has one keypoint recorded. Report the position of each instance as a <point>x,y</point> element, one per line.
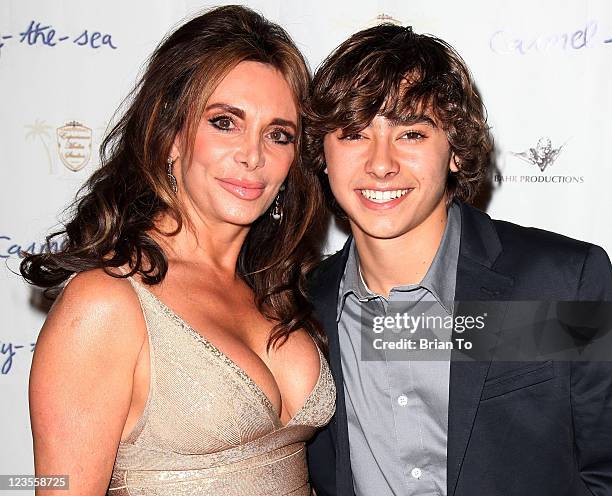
<point>441,277</point>
<point>439,280</point>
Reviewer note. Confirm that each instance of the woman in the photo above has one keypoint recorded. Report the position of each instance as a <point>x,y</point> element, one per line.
<point>182,357</point>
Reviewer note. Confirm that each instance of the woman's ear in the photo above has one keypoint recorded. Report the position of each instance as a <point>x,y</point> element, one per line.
<point>175,151</point>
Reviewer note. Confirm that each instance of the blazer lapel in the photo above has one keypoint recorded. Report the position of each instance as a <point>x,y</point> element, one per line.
<point>325,290</point>
<point>476,281</point>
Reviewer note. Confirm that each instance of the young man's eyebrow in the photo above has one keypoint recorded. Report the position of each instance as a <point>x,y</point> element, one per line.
<point>411,120</point>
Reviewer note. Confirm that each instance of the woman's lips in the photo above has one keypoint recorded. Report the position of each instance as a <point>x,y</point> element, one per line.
<point>245,190</point>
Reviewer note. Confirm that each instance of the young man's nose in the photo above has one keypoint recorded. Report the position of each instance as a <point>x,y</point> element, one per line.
<point>380,162</point>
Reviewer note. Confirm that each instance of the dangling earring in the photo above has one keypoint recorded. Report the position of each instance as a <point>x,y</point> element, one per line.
<point>171,178</point>
<point>277,211</point>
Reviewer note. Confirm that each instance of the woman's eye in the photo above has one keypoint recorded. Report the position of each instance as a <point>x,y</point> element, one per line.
<point>222,122</point>
<point>281,137</point>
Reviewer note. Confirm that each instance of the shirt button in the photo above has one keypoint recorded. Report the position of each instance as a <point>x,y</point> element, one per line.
<point>402,400</point>
<point>416,473</point>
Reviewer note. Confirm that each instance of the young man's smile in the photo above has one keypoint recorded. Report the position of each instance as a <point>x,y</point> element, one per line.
<point>382,198</point>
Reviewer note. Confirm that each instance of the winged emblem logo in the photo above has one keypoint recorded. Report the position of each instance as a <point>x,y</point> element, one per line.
<point>543,155</point>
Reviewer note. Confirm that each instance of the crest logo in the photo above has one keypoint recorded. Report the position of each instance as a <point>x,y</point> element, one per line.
<point>382,18</point>
<point>543,155</point>
<point>74,145</point>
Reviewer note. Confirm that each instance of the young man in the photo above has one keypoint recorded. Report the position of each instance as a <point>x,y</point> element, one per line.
<point>398,127</point>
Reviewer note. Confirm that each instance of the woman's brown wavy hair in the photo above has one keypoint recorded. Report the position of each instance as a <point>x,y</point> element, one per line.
<point>113,217</point>
<point>389,70</point>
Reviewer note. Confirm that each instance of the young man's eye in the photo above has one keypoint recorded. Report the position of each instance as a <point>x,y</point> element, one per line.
<point>413,136</point>
<point>222,122</point>
<point>351,137</point>
<point>281,137</point>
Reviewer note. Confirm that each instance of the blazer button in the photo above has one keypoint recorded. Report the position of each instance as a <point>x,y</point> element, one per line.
<point>416,473</point>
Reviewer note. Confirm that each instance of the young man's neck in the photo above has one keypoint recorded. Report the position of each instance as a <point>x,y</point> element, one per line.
<point>403,260</point>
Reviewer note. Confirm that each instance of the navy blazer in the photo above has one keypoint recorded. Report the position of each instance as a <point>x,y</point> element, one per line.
<point>515,428</point>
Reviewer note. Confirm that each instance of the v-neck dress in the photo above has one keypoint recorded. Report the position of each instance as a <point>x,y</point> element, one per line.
<point>207,427</point>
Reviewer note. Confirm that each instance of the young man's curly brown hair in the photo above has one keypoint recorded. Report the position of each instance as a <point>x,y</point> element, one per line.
<point>391,71</point>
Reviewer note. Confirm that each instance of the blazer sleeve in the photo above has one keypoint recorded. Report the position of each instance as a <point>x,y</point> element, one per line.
<point>322,463</point>
<point>591,388</point>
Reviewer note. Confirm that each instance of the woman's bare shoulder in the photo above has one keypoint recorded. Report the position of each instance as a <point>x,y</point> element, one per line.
<point>100,307</point>
<point>82,377</point>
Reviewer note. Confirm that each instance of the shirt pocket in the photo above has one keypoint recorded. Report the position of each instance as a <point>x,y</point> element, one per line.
<point>520,378</point>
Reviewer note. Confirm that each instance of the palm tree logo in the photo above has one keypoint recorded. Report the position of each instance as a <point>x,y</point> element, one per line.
<point>41,130</point>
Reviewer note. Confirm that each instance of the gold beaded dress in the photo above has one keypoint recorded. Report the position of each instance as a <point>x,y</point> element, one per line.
<point>207,428</point>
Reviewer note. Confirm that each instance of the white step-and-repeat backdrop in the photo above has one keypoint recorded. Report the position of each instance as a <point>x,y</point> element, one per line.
<point>544,69</point>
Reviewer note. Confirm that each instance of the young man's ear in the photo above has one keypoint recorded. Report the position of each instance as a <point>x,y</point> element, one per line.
<point>454,163</point>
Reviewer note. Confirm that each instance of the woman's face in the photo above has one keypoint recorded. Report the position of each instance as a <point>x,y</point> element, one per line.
<point>243,148</point>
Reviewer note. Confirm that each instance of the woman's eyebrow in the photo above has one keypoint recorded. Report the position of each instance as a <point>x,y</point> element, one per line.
<point>284,122</point>
<point>238,112</point>
<point>228,108</point>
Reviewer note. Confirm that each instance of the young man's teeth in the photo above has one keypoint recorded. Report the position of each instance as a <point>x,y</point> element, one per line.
<point>382,196</point>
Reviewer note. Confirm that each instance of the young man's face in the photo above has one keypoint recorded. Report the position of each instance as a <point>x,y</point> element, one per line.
<point>390,178</point>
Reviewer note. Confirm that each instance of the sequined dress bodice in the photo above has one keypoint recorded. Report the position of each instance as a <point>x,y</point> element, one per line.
<point>207,427</point>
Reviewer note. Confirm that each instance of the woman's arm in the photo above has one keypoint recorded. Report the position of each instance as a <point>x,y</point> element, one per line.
<point>81,381</point>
